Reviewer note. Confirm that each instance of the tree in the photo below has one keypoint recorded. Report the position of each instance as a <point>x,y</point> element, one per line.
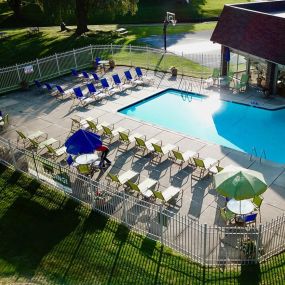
<point>109,6</point>
<point>15,6</point>
<point>81,15</point>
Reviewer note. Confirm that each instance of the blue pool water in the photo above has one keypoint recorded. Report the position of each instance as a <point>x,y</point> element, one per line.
<point>237,126</point>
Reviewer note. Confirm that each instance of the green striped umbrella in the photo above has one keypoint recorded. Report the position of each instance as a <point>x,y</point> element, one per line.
<point>239,183</point>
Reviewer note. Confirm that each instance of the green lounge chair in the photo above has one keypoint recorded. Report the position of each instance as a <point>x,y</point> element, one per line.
<point>204,164</point>
<point>123,178</point>
<point>160,151</point>
<point>216,168</point>
<point>182,157</point>
<point>84,169</point>
<point>229,78</point>
<point>126,139</point>
<point>38,146</point>
<point>242,83</point>
<point>34,136</point>
<point>92,126</point>
<point>144,146</point>
<point>257,201</point>
<point>144,187</point>
<point>56,152</point>
<point>79,123</point>
<point>215,76</point>
<point>227,215</point>
<point>112,133</point>
<point>166,195</point>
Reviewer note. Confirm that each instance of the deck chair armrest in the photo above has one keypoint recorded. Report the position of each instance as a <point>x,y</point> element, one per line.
<point>45,135</point>
<point>158,184</point>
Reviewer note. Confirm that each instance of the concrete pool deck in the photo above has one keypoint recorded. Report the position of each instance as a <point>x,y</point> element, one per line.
<point>30,111</point>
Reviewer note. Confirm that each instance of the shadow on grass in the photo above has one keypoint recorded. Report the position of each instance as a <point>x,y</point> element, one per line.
<point>251,271</point>
<point>53,236</point>
<point>47,43</point>
<point>29,230</point>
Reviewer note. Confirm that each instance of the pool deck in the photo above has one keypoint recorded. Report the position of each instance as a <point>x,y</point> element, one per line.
<point>31,110</point>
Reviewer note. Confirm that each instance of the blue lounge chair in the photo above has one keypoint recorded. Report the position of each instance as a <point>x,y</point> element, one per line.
<point>49,87</point>
<point>62,93</point>
<point>120,84</point>
<point>141,76</point>
<point>96,63</point>
<point>109,89</point>
<point>83,100</point>
<point>74,72</point>
<point>95,77</point>
<point>38,84</point>
<point>97,95</point>
<point>131,80</point>
<point>248,219</point>
<point>85,76</point>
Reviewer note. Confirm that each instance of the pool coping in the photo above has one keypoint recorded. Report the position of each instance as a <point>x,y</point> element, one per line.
<point>202,95</point>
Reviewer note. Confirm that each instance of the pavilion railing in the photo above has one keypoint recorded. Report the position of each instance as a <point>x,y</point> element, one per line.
<point>197,65</point>
<point>206,244</point>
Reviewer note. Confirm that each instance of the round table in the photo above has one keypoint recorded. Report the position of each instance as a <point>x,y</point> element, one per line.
<point>240,207</point>
<point>86,158</point>
<point>103,63</point>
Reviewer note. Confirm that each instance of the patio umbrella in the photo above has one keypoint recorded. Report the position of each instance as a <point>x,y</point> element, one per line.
<point>82,142</point>
<point>239,183</point>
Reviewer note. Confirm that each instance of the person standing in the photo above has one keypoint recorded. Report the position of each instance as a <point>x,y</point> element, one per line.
<point>105,150</point>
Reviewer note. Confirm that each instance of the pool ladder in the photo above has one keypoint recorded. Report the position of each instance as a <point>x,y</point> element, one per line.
<point>187,89</point>
<point>254,152</point>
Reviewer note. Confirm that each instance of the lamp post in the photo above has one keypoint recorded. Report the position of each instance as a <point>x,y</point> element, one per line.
<point>165,24</point>
<point>169,18</point>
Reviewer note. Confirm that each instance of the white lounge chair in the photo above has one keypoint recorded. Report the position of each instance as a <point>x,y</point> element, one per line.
<point>123,178</point>
<point>167,194</point>
<point>144,187</point>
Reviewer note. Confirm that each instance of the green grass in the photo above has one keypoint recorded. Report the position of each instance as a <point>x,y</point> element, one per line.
<point>51,41</point>
<point>47,238</point>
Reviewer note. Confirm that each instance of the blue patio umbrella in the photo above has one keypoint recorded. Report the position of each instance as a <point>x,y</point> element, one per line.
<point>82,142</point>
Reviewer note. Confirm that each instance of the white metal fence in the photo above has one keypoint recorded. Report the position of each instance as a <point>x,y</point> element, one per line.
<point>197,65</point>
<point>206,244</point>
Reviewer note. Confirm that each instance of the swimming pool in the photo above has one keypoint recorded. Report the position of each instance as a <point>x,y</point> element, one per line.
<point>229,124</point>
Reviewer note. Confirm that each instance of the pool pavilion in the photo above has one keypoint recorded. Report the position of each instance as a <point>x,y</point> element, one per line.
<point>253,42</point>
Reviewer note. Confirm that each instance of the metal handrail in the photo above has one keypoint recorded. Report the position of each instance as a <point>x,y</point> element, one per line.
<point>262,154</point>
<point>253,151</point>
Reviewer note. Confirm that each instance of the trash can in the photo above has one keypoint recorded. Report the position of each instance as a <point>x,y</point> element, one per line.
<point>173,70</point>
<point>111,63</point>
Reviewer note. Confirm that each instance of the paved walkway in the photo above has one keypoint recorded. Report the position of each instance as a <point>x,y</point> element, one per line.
<point>30,111</point>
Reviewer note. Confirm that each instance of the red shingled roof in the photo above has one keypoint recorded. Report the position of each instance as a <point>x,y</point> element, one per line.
<point>252,32</point>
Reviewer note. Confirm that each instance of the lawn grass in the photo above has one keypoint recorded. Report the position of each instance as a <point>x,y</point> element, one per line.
<point>47,238</point>
<point>51,41</point>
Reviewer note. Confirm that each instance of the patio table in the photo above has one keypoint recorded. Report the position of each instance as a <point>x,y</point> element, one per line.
<point>103,63</point>
<point>86,158</point>
<point>240,207</point>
